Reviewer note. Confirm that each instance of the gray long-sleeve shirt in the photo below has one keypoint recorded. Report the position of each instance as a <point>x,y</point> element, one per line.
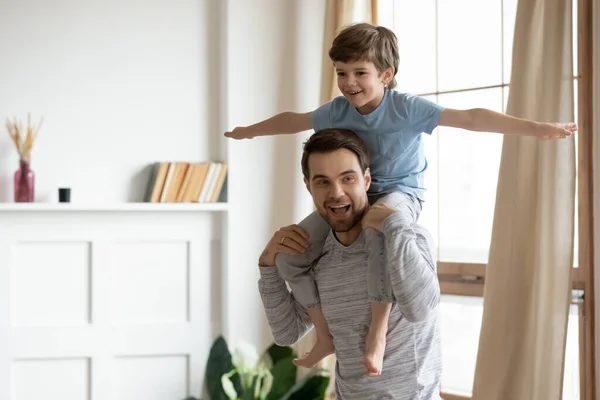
<point>412,362</point>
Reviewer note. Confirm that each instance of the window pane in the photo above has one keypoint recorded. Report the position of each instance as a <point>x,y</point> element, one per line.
<point>460,324</point>
<point>414,24</point>
<point>429,215</point>
<point>576,211</point>
<point>571,376</point>
<point>510,13</point>
<point>385,15</point>
<point>469,43</point>
<point>468,175</point>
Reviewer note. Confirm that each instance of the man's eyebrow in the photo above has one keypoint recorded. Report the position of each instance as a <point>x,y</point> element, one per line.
<point>347,172</point>
<point>318,176</point>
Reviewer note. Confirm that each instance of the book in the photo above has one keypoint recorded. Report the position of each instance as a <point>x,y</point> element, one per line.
<point>186,182</point>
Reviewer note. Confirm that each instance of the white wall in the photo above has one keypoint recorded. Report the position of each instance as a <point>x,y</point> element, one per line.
<point>120,83</point>
<point>123,83</point>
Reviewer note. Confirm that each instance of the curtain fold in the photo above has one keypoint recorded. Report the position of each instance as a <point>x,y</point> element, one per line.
<point>528,284</point>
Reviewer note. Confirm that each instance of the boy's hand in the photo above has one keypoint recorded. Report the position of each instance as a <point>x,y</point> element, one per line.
<point>239,133</point>
<point>376,215</point>
<point>556,131</point>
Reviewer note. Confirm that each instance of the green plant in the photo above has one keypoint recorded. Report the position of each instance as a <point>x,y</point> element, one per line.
<point>245,376</point>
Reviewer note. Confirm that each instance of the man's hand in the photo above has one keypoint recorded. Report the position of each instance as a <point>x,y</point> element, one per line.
<point>240,132</point>
<point>556,131</point>
<point>290,240</point>
<point>376,215</point>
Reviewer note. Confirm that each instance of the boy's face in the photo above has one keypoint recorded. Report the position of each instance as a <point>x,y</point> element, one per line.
<point>361,84</point>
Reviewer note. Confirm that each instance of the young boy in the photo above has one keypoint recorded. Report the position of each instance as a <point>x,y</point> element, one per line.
<point>391,123</point>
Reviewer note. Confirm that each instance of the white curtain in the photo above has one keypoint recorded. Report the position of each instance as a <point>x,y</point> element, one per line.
<point>527,292</point>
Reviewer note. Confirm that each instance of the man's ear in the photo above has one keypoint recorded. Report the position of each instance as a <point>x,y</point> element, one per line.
<point>367,178</point>
<point>307,183</point>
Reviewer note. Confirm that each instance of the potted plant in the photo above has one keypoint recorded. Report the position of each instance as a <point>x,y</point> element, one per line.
<point>246,376</point>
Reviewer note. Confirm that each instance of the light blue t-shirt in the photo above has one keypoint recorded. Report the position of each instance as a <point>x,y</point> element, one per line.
<point>393,135</point>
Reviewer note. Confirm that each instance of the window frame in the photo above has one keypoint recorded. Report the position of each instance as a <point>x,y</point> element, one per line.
<point>583,277</point>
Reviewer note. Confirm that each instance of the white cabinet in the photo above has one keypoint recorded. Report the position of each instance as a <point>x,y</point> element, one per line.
<point>107,303</point>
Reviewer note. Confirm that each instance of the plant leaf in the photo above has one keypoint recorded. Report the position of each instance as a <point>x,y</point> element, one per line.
<point>219,363</point>
<point>311,387</point>
<point>278,353</point>
<point>284,377</point>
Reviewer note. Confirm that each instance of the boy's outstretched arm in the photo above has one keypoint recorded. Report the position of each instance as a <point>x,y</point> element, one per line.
<point>483,120</point>
<point>285,122</point>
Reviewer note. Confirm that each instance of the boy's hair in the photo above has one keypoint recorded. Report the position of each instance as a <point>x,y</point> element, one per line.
<point>366,42</point>
<point>330,140</point>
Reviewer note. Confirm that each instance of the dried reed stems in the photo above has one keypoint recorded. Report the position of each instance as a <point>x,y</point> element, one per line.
<point>23,140</point>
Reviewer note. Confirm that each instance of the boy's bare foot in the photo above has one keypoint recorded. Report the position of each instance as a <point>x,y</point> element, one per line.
<point>374,351</point>
<point>322,348</point>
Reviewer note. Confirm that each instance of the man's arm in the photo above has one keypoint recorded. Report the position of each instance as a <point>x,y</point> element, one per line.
<point>483,120</point>
<point>288,320</point>
<point>411,262</point>
<point>283,123</point>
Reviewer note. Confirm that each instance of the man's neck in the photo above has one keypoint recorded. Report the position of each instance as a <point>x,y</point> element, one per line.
<point>349,237</point>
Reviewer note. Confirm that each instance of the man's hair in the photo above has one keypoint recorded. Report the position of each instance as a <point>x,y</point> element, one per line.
<point>366,42</point>
<point>330,140</point>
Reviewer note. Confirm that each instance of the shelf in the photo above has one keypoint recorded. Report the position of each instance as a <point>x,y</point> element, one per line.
<point>129,207</point>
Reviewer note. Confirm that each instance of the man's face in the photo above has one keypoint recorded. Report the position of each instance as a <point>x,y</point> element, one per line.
<point>338,188</point>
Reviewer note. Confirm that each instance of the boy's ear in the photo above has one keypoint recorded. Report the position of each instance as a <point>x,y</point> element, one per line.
<point>388,75</point>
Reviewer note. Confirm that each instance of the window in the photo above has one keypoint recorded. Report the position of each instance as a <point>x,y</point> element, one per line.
<point>442,59</point>
<point>458,53</point>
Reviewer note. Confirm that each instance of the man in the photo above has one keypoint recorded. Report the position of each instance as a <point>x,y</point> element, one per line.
<point>336,173</point>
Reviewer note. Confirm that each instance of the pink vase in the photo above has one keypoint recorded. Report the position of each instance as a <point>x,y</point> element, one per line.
<point>24,183</point>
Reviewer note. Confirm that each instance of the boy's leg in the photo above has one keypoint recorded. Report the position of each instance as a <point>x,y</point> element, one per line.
<point>323,346</point>
<point>381,303</point>
<point>379,284</point>
<point>376,338</point>
<point>297,271</point>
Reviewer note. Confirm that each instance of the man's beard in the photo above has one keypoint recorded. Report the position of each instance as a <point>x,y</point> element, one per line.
<point>347,224</point>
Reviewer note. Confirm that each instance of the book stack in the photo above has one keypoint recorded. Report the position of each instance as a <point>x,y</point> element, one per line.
<point>187,182</point>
